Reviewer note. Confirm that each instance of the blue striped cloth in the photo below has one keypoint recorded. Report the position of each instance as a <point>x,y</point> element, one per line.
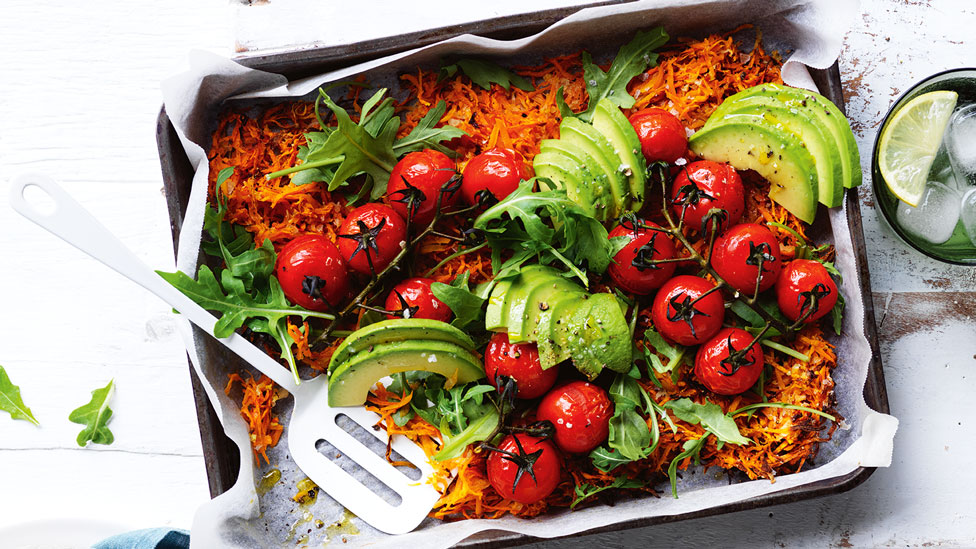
<point>150,538</point>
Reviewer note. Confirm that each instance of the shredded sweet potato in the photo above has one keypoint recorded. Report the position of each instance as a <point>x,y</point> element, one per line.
<point>257,402</point>
<point>691,79</point>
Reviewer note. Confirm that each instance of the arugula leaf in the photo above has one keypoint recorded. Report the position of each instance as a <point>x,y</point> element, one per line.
<point>484,73</point>
<point>235,245</point>
<point>478,430</point>
<point>546,225</point>
<point>837,313</point>
<point>711,417</point>
<point>629,433</point>
<point>11,401</point>
<point>691,448</point>
<point>426,136</point>
<point>585,491</point>
<point>632,59</point>
<point>466,305</point>
<point>607,459</point>
<point>755,324</point>
<point>95,416</point>
<point>265,311</point>
<point>675,353</point>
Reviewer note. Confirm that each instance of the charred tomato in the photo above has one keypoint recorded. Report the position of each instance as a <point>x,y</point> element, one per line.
<point>580,412</point>
<point>370,237</point>
<point>805,290</point>
<point>496,172</point>
<point>633,269</point>
<point>684,314</point>
<point>312,273</point>
<point>708,195</point>
<point>729,364</point>
<point>661,134</point>
<point>520,362</point>
<point>524,468</point>
<point>417,180</point>
<point>741,251</point>
<point>413,298</point>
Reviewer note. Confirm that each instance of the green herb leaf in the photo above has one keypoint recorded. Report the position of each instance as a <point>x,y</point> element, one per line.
<point>837,313</point>
<point>478,430</point>
<point>585,491</point>
<point>350,148</point>
<point>673,352</point>
<point>484,73</point>
<point>711,417</point>
<point>95,416</point>
<point>607,459</point>
<point>266,312</point>
<point>11,401</point>
<point>632,59</point>
<point>546,225</point>
<point>426,136</point>
<point>466,305</point>
<point>785,405</point>
<point>691,448</point>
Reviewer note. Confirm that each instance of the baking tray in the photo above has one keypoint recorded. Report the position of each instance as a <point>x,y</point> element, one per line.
<point>221,456</point>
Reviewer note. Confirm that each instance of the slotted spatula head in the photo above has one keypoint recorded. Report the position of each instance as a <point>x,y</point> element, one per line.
<point>313,420</point>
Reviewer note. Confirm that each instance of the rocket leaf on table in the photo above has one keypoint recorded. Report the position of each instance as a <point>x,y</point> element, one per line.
<point>11,401</point>
<point>484,73</point>
<point>632,59</point>
<point>546,225</point>
<point>95,416</point>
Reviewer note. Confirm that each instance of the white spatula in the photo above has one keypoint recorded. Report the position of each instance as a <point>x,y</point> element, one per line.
<point>312,420</point>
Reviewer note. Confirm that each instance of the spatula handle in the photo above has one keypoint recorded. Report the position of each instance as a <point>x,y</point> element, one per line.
<point>76,226</point>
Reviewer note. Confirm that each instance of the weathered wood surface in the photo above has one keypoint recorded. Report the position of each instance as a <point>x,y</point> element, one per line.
<point>78,100</point>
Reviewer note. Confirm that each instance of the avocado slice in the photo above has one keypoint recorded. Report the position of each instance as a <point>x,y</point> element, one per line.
<point>517,298</point>
<point>398,329</point>
<point>816,106</point>
<point>748,142</point>
<point>541,298</point>
<point>350,382</point>
<point>567,173</point>
<point>600,337</point>
<point>826,155</point>
<point>591,190</point>
<point>554,332</point>
<point>495,320</point>
<point>611,122</point>
<point>587,138</point>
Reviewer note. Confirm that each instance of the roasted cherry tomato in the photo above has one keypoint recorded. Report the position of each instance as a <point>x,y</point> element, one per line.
<point>703,186</point>
<point>740,251</point>
<point>416,181</point>
<point>727,364</point>
<point>496,171</point>
<point>661,134</point>
<point>804,288</point>
<point>524,468</point>
<point>519,361</point>
<point>580,412</point>
<point>632,269</point>
<point>370,237</point>
<point>413,298</point>
<point>680,318</point>
<point>312,273</point>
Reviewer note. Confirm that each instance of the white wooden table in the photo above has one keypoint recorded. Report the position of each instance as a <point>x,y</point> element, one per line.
<point>79,92</point>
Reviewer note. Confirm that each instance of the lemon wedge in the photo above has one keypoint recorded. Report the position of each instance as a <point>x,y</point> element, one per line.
<point>910,141</point>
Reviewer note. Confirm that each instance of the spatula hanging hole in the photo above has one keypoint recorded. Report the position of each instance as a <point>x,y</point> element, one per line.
<point>39,199</point>
<point>358,432</point>
<point>364,477</point>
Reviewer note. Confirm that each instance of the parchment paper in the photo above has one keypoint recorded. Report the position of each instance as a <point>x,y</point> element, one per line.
<point>809,33</point>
